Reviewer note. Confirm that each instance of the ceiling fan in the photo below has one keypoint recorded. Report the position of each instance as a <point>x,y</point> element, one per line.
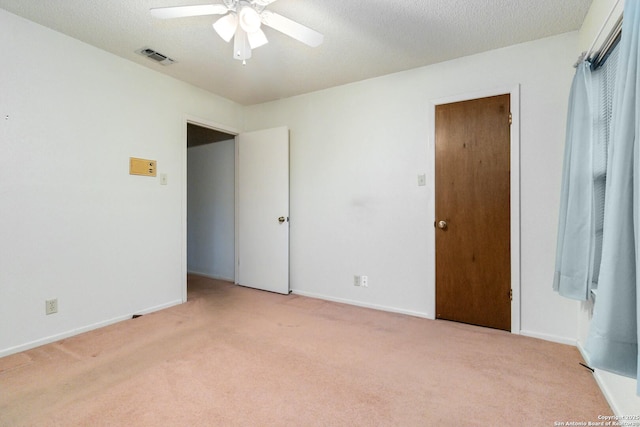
<point>243,19</point>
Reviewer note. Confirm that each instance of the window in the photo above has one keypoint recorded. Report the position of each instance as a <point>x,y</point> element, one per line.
<point>604,83</point>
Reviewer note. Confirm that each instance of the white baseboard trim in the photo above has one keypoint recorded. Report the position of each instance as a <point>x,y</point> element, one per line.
<point>620,392</point>
<point>362,304</point>
<point>77,331</point>
<point>602,384</point>
<point>211,276</point>
<point>548,337</point>
<point>598,378</point>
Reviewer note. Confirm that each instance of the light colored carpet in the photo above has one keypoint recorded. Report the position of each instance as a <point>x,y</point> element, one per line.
<point>234,356</point>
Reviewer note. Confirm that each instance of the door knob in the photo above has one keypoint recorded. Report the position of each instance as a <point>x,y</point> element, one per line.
<point>281,219</point>
<point>442,225</point>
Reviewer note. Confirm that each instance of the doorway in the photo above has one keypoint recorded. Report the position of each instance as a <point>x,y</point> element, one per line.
<point>260,161</point>
<point>210,202</point>
<point>476,200</point>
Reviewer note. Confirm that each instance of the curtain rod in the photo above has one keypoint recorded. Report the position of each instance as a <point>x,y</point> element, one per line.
<point>610,38</point>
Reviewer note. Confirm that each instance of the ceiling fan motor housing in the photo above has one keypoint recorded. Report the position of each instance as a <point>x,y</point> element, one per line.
<point>249,18</point>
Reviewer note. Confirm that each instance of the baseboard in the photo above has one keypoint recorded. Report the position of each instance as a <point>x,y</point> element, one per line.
<point>362,304</point>
<point>549,337</point>
<point>599,380</point>
<point>211,276</point>
<point>546,337</point>
<point>77,331</point>
<point>619,391</point>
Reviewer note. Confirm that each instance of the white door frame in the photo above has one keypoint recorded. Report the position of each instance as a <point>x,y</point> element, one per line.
<point>214,126</point>
<point>514,92</point>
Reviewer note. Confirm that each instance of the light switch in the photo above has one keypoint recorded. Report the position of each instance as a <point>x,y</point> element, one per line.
<point>422,180</point>
<point>143,167</point>
<point>163,179</point>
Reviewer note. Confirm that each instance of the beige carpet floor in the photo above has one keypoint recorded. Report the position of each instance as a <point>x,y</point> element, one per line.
<point>233,356</point>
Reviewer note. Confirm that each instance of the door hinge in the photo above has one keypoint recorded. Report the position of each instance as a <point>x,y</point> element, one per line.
<point>510,294</point>
<point>510,118</point>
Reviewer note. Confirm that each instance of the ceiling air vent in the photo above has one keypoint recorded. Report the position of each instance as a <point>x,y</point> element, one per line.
<point>156,56</point>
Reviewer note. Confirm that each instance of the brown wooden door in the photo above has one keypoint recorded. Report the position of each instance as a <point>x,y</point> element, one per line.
<point>473,267</point>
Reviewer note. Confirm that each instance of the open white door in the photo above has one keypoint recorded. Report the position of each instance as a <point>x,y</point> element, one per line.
<point>263,210</point>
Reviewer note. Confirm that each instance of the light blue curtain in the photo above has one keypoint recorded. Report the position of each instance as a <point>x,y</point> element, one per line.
<point>576,229</point>
<point>612,344</point>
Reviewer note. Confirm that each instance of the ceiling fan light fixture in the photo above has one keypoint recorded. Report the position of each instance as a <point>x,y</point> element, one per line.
<point>226,26</point>
<point>249,19</point>
<point>257,39</point>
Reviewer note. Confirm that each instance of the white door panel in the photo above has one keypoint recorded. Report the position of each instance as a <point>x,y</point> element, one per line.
<point>263,197</point>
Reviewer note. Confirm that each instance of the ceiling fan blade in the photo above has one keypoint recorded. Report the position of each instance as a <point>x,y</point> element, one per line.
<point>291,28</point>
<point>257,39</point>
<point>184,11</point>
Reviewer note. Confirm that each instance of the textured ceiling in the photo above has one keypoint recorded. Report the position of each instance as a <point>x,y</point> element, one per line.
<point>362,38</point>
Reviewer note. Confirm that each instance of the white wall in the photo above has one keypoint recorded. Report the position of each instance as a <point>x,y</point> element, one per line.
<point>74,225</point>
<point>356,151</point>
<point>211,210</point>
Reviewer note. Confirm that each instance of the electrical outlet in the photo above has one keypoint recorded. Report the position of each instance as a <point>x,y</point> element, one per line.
<point>362,281</point>
<point>51,306</point>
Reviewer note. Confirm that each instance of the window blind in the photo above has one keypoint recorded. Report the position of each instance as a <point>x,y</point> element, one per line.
<point>603,80</point>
